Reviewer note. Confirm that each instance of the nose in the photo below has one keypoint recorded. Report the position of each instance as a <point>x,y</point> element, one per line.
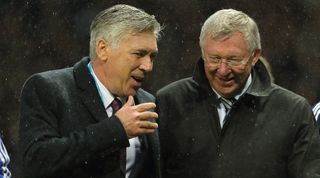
<point>147,64</point>
<point>224,69</point>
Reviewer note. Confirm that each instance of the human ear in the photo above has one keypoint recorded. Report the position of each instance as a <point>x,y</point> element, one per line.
<point>256,56</point>
<point>102,47</point>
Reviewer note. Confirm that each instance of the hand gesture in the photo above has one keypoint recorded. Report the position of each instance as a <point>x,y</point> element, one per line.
<point>135,118</point>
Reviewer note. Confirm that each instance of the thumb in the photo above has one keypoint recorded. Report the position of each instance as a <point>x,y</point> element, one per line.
<point>130,101</point>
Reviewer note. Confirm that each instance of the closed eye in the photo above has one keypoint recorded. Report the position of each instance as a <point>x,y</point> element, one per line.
<point>143,53</point>
<point>214,58</point>
<point>138,54</point>
<point>234,59</point>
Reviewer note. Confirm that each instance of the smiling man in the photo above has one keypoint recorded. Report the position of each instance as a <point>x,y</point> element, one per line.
<point>229,120</point>
<point>93,119</point>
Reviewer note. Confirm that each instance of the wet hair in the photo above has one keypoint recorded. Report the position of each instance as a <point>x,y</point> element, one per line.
<point>224,23</point>
<point>113,23</point>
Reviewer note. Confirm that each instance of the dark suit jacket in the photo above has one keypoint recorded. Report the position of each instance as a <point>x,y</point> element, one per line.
<point>65,130</point>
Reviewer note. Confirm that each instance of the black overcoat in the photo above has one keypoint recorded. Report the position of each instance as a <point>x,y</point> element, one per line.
<point>267,134</point>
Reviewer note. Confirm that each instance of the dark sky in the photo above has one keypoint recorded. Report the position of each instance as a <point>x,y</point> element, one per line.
<point>43,35</point>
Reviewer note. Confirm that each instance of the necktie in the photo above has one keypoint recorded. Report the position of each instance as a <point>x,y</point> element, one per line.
<point>116,105</point>
<point>227,103</point>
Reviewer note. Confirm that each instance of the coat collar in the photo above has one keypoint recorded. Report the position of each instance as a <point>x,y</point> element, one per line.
<point>89,93</point>
<point>82,75</point>
<point>261,83</point>
<point>260,86</point>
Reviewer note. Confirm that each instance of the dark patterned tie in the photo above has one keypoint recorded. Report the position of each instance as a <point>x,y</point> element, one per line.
<point>227,103</point>
<point>116,105</point>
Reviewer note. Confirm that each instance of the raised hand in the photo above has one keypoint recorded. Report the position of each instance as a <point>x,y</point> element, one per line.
<point>135,118</point>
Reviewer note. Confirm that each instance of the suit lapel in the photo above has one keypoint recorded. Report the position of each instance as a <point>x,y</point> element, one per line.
<point>89,93</point>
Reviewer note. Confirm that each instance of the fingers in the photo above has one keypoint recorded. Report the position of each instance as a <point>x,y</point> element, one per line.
<point>130,101</point>
<point>148,125</point>
<point>144,127</point>
<point>147,115</point>
<point>146,131</point>
<point>145,107</point>
<point>135,118</point>
<point>140,107</point>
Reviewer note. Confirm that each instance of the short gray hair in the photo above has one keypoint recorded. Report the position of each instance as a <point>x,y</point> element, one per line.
<point>224,23</point>
<point>113,23</point>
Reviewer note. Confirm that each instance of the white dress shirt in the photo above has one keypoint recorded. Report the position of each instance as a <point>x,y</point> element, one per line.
<point>107,99</point>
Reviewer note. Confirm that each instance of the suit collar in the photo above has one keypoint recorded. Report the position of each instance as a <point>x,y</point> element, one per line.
<point>82,74</point>
<point>89,93</point>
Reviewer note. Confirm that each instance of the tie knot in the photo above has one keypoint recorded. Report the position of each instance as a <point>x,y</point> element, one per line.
<point>115,105</point>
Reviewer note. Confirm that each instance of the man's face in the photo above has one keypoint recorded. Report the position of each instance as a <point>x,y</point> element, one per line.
<point>228,81</point>
<point>127,65</point>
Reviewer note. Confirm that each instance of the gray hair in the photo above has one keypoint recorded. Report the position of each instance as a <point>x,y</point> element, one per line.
<point>113,23</point>
<point>224,23</point>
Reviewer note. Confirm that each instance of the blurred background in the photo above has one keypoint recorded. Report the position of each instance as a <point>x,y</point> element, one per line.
<point>39,35</point>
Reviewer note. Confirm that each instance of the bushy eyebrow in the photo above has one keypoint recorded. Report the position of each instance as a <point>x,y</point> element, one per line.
<point>142,51</point>
<point>228,57</point>
<point>145,52</point>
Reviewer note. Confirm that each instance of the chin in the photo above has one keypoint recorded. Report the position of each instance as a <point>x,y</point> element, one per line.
<point>131,92</point>
<point>228,92</point>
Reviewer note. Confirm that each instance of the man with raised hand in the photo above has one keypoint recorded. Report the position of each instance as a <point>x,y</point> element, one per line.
<point>93,119</point>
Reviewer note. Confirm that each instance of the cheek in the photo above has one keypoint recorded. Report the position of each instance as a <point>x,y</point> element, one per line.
<point>241,76</point>
<point>209,72</point>
<point>210,69</point>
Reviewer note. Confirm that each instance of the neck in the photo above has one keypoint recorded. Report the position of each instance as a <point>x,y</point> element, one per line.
<point>97,67</point>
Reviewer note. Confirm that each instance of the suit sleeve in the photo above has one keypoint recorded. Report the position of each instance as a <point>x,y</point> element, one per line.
<point>44,152</point>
